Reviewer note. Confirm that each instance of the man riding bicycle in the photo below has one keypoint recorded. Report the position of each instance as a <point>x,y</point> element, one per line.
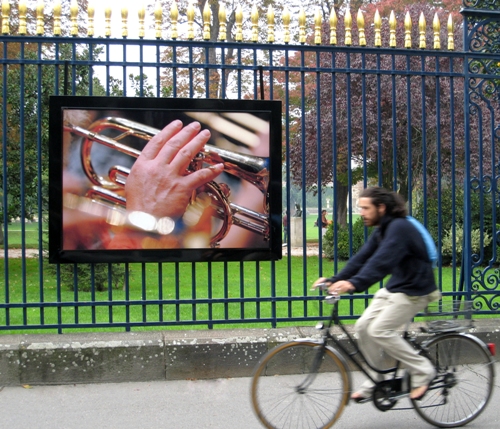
<point>396,248</point>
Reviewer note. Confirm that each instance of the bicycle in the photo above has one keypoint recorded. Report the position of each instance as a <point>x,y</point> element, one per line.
<point>314,378</point>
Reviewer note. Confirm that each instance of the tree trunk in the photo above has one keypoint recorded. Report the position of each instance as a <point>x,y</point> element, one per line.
<point>342,194</point>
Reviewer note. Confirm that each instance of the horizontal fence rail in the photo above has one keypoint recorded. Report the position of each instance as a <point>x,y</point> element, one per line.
<point>392,101</point>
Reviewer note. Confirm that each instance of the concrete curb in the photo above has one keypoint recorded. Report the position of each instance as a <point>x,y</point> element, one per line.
<point>146,356</point>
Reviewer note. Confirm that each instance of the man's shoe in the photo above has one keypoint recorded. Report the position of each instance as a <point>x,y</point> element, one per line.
<point>359,398</point>
<point>418,393</point>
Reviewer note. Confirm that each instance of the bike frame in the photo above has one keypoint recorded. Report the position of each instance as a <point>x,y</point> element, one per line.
<point>353,355</point>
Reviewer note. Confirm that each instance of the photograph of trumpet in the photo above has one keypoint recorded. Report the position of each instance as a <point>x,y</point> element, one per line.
<point>164,179</point>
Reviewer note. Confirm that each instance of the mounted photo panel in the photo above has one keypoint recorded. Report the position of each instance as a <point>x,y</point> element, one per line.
<point>164,180</point>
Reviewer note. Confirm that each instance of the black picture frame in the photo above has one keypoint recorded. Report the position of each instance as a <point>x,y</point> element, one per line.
<point>79,227</point>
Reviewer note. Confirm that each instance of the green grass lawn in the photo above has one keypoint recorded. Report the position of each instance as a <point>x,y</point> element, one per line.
<point>200,282</point>
<point>280,285</point>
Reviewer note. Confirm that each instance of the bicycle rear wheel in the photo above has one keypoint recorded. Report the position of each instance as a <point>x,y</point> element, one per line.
<point>463,384</point>
<point>300,385</point>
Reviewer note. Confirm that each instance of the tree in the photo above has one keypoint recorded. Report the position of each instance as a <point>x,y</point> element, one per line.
<point>345,140</point>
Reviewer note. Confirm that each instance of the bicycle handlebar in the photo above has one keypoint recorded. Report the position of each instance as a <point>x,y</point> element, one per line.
<point>331,298</point>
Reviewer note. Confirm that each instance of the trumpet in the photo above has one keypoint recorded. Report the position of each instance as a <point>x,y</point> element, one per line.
<point>109,190</point>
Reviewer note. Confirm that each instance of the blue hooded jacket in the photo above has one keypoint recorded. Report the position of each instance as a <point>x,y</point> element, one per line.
<point>395,248</point>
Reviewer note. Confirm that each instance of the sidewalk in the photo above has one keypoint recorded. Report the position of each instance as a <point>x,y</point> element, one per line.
<point>181,404</point>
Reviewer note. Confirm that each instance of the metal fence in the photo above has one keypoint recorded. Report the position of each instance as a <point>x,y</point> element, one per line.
<point>388,102</point>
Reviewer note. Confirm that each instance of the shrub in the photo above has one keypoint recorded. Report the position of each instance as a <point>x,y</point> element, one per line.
<point>343,243</point>
<point>448,246</point>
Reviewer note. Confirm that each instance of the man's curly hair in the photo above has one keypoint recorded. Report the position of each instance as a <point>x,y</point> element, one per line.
<point>395,205</point>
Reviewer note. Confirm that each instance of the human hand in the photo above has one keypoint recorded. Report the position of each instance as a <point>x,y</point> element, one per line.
<point>342,286</point>
<point>321,282</point>
<point>158,183</point>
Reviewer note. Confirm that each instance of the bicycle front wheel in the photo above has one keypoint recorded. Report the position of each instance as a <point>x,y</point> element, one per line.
<point>463,384</point>
<point>300,385</point>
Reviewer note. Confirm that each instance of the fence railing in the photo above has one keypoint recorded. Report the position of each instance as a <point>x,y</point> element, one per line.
<point>379,100</point>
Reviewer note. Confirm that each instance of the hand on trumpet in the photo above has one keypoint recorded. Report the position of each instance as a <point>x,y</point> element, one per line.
<point>158,182</point>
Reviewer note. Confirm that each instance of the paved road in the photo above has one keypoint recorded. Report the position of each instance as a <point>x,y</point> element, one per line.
<point>222,404</point>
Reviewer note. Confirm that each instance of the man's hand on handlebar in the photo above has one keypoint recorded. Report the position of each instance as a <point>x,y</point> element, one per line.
<point>337,288</point>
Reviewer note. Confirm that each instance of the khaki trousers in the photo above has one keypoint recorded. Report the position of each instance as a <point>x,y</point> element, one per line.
<point>378,337</point>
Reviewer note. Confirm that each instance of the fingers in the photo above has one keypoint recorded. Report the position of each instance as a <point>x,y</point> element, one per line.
<point>176,144</point>
<point>200,177</point>
<point>184,155</point>
<point>157,142</point>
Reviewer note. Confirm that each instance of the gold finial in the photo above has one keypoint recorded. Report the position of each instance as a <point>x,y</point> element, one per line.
<point>190,17</point>
<point>174,17</point>
<point>222,23</point>
<point>141,14</point>
<point>22,18</point>
<point>107,20</point>
<point>377,21</point>
<point>207,16</point>
<point>5,17</point>
<point>317,26</point>
<point>286,25</point>
<point>421,29</point>
<point>333,27</point>
<point>159,17</point>
<point>302,26</point>
<point>124,21</point>
<point>254,16</point>
<point>90,14</point>
<point>408,25</point>
<point>73,10</point>
<point>270,24</point>
<point>451,42</point>
<point>436,26</point>
<point>348,27</point>
<point>361,28</point>
<point>392,30</point>
<point>239,24</point>
<point>39,18</point>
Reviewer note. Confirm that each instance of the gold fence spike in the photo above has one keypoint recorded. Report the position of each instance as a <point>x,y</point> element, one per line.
<point>451,42</point>
<point>348,27</point>
<point>174,17</point>
<point>408,25</point>
<point>159,18</point>
<point>124,22</point>
<point>360,19</point>
<point>73,11</point>
<point>377,23</point>
<point>90,15</point>
<point>22,18</point>
<point>107,21</point>
<point>317,26</point>
<point>39,18</point>
<point>436,27</point>
<point>421,29</point>
<point>302,26</point>
<point>207,17</point>
<point>239,23</point>
<point>392,30</point>
<point>333,27</point>
<point>270,24</point>
<point>222,23</point>
<point>5,17</point>
<point>254,17</point>
<point>141,14</point>
<point>190,18</point>
<point>286,25</point>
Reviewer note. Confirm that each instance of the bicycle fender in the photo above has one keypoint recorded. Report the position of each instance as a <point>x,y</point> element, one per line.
<point>472,337</point>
